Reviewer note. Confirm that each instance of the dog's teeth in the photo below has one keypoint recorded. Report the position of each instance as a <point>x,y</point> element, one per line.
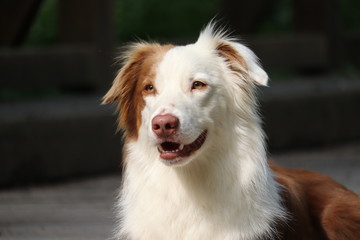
<point>160,148</point>
<point>181,147</point>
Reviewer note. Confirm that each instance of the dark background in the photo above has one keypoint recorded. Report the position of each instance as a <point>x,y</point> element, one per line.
<point>57,60</point>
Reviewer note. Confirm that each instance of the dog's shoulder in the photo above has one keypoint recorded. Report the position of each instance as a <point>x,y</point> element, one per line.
<point>318,206</point>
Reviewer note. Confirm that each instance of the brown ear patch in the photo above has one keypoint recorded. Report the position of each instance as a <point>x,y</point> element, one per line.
<point>128,87</point>
<point>234,59</point>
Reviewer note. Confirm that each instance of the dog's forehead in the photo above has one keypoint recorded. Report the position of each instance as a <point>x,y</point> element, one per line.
<point>184,62</point>
<point>184,58</point>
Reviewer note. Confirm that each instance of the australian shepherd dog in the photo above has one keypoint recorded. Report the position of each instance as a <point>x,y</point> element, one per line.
<point>195,164</point>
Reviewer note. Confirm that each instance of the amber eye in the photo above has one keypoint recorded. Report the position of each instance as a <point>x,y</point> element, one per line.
<point>149,88</point>
<point>198,85</point>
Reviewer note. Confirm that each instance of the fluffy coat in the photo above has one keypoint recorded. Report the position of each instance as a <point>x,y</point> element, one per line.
<point>221,187</point>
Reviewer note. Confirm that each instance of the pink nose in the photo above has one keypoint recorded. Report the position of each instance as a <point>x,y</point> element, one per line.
<point>165,125</point>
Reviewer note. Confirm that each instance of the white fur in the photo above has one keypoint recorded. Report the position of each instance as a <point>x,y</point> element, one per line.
<point>223,191</point>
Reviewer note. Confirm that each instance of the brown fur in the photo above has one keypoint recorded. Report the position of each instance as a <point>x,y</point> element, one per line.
<point>236,63</point>
<point>229,53</point>
<point>319,207</point>
<point>128,87</point>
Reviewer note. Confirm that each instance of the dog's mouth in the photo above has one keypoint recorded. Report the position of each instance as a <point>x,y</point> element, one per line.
<point>171,151</point>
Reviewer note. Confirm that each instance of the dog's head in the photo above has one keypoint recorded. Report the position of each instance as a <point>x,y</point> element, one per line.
<point>182,99</point>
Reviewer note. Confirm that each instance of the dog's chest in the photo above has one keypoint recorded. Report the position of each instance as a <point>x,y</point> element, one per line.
<point>164,212</point>
<point>168,211</point>
<point>173,219</point>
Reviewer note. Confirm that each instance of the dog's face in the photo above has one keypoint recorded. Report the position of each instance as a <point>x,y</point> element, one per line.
<point>181,98</point>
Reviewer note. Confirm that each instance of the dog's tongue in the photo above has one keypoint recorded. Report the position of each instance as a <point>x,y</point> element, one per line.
<point>170,155</point>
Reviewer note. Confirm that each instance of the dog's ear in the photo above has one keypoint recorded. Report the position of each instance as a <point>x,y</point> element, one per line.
<point>126,90</point>
<point>137,60</point>
<point>128,74</point>
<point>241,59</point>
<point>114,92</point>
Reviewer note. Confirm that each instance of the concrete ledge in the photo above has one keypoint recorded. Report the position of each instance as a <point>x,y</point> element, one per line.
<point>57,139</point>
<point>75,136</point>
<point>312,112</point>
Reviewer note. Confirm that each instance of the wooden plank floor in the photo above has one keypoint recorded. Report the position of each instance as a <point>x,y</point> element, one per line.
<point>84,209</point>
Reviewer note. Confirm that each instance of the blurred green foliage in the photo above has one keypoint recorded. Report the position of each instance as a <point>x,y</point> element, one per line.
<point>280,19</point>
<point>169,19</point>
<point>175,20</point>
<point>350,10</point>
<point>44,31</point>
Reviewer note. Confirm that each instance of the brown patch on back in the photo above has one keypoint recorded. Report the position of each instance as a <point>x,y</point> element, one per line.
<point>128,87</point>
<point>320,208</point>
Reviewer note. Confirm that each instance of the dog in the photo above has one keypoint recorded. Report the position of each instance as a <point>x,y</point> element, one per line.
<point>195,163</point>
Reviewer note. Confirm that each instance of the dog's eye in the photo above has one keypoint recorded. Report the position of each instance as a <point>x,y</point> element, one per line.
<point>149,88</point>
<point>198,85</point>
